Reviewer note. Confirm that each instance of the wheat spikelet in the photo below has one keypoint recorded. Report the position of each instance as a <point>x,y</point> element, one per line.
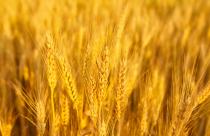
<point>52,80</point>
<point>37,108</point>
<point>51,69</point>
<point>84,65</point>
<point>203,96</point>
<point>185,115</point>
<point>41,113</point>
<point>93,100</point>
<point>121,90</point>
<point>69,82</point>
<point>64,110</point>
<point>51,63</point>
<point>103,68</point>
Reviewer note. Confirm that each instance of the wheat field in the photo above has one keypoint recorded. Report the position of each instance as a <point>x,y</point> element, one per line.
<point>105,68</point>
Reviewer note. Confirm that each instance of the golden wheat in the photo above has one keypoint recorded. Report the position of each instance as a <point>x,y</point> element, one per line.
<point>104,68</point>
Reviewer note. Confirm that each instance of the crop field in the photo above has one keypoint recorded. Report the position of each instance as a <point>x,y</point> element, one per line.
<point>104,67</point>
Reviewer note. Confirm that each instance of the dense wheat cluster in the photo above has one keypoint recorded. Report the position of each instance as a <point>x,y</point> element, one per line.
<point>105,67</point>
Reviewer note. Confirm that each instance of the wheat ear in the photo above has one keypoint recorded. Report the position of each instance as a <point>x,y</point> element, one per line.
<point>51,69</point>
<point>120,94</point>
<point>5,128</point>
<point>69,82</point>
<point>93,102</point>
<point>103,68</point>
<point>64,110</point>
